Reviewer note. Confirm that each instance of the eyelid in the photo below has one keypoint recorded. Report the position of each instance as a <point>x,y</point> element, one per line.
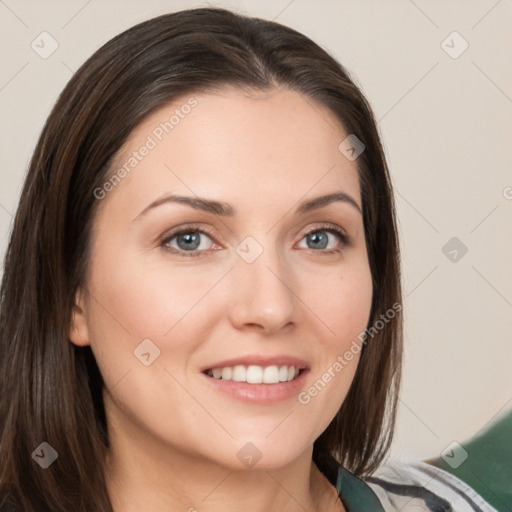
<point>327,226</point>
<point>186,228</point>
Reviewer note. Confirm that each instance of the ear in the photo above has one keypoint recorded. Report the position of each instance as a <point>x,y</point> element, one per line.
<point>79,330</point>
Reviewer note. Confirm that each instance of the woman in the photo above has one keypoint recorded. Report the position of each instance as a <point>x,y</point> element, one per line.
<point>201,299</point>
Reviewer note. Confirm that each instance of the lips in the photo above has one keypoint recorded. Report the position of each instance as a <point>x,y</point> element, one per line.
<point>258,379</point>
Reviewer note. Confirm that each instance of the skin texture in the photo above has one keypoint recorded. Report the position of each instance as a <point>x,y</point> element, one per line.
<point>174,437</point>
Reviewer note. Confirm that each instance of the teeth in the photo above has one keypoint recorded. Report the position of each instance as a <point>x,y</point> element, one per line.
<point>271,375</point>
<point>256,374</point>
<point>239,374</point>
<point>227,374</point>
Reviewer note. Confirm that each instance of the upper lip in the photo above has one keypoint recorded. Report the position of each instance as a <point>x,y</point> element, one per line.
<point>259,360</point>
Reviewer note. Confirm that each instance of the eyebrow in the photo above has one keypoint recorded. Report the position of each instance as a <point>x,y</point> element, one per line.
<point>226,210</point>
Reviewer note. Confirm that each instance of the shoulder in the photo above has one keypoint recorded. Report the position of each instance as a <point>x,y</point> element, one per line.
<point>414,485</point>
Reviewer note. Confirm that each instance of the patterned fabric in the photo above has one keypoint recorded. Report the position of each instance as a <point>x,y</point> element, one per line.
<point>415,486</point>
<point>412,485</point>
<point>402,486</point>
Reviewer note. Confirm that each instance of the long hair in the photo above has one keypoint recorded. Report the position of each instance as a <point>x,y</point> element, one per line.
<point>51,389</point>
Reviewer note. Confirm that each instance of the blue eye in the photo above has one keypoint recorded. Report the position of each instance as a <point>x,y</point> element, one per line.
<point>192,241</point>
<point>187,240</point>
<point>318,240</point>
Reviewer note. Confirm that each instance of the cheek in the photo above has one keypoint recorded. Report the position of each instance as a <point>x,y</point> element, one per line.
<point>150,298</point>
<point>143,298</point>
<point>136,300</point>
<point>341,300</point>
<point>344,310</point>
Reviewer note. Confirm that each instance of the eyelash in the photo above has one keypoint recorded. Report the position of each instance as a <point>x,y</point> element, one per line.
<point>345,240</point>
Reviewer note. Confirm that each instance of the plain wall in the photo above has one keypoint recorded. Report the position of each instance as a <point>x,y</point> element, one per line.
<point>446,124</point>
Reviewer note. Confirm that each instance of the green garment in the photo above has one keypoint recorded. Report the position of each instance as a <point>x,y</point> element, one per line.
<point>488,466</point>
<point>355,494</point>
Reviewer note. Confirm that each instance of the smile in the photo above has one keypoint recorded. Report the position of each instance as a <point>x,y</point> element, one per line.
<point>266,389</point>
<point>254,374</point>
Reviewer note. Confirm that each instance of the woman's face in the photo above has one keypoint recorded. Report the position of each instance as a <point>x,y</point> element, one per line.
<point>243,286</point>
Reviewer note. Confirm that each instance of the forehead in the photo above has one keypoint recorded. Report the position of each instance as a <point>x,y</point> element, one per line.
<point>277,142</point>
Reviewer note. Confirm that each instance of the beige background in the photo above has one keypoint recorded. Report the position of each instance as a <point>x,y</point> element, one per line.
<point>446,124</point>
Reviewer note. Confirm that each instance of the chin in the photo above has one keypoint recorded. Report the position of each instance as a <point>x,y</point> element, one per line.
<point>257,453</point>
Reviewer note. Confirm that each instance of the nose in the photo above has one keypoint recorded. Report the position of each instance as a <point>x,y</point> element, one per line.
<point>262,294</point>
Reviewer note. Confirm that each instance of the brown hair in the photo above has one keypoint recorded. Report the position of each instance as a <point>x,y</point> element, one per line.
<point>51,389</point>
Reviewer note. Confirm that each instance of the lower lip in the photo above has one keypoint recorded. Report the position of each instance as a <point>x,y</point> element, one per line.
<point>260,393</point>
